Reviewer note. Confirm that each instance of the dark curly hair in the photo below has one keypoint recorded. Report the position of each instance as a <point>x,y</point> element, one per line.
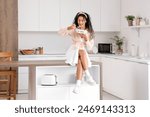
<point>88,24</point>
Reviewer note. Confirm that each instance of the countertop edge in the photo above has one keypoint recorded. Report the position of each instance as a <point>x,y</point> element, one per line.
<point>120,57</point>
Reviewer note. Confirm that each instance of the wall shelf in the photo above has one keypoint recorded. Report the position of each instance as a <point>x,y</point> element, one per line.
<point>144,26</point>
<point>137,28</point>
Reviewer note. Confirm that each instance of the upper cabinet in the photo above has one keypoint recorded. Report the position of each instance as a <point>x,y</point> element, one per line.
<point>92,7</point>
<point>38,15</point>
<point>68,10</point>
<point>28,15</point>
<point>51,15</point>
<point>110,15</point>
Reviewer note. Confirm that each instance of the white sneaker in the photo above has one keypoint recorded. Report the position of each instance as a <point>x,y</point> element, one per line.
<point>77,87</point>
<point>76,90</point>
<point>90,80</point>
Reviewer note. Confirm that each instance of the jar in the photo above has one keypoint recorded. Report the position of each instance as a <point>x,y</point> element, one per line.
<point>133,50</point>
<point>41,50</point>
<point>36,51</point>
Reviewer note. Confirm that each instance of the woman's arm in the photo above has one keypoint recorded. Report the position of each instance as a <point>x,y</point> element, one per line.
<point>67,31</point>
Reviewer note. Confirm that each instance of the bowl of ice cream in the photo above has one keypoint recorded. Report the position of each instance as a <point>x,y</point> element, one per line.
<point>80,31</point>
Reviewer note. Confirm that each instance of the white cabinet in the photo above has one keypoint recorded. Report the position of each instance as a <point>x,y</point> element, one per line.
<point>66,82</point>
<point>38,15</point>
<point>105,14</point>
<point>49,15</point>
<point>65,92</point>
<point>110,15</point>
<point>86,93</point>
<point>125,79</point>
<point>28,15</point>
<point>68,10</point>
<point>97,59</point>
<point>92,7</point>
<point>51,93</point>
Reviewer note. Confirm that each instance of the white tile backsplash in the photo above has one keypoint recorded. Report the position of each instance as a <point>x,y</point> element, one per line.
<point>52,42</point>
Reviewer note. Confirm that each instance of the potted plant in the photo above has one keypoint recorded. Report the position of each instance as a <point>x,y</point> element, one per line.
<point>130,19</point>
<point>119,42</point>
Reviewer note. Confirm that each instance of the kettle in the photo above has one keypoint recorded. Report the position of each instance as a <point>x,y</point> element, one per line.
<point>49,80</point>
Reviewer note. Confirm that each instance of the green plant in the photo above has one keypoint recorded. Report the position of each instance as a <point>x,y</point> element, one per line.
<point>130,17</point>
<point>118,41</point>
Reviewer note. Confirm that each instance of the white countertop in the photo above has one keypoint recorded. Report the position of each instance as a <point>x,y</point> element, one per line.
<point>121,57</point>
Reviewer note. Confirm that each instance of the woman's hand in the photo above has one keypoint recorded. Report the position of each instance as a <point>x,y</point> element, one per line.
<point>72,27</point>
<point>85,37</point>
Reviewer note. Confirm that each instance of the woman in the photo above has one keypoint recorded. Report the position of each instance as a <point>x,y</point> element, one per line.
<point>82,35</point>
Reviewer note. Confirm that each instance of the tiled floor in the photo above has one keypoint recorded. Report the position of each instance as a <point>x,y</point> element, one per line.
<point>106,96</point>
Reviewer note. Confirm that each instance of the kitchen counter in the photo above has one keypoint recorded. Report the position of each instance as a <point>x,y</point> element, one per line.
<point>121,57</point>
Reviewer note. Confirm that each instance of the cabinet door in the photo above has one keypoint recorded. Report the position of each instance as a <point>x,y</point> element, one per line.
<point>52,93</point>
<point>110,15</point>
<point>28,15</point>
<point>92,7</point>
<point>127,80</point>
<point>49,15</point>
<point>87,92</point>
<point>97,59</point>
<point>68,10</point>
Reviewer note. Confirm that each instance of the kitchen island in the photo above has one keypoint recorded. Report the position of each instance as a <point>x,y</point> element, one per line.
<point>32,65</point>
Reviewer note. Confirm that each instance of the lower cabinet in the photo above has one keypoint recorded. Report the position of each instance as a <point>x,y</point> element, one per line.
<point>87,92</point>
<point>97,59</point>
<point>125,79</point>
<point>66,80</point>
<point>52,93</point>
<point>65,92</point>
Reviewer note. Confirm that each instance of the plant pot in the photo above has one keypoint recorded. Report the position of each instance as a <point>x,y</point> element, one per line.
<point>119,51</point>
<point>130,22</point>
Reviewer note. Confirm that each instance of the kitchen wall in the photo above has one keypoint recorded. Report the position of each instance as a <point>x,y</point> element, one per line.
<point>137,8</point>
<point>52,42</point>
